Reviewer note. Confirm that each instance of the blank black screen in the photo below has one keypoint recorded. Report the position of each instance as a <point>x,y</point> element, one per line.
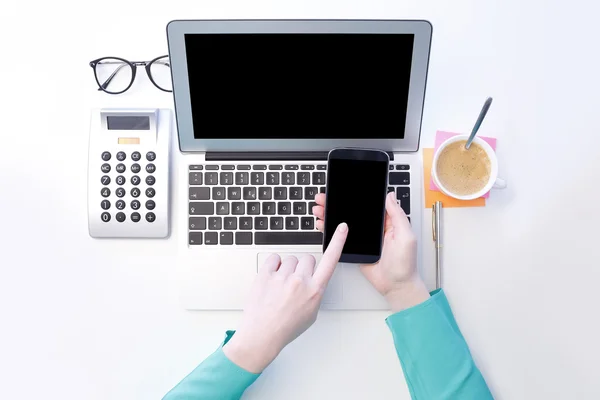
<point>127,123</point>
<point>299,85</point>
<point>356,193</point>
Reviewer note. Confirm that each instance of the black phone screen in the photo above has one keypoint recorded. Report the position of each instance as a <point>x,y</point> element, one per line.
<point>356,191</point>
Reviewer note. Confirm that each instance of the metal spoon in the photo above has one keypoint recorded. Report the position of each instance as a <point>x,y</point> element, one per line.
<point>482,113</point>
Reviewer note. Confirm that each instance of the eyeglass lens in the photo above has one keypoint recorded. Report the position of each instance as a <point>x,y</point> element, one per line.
<point>160,70</point>
<point>113,75</point>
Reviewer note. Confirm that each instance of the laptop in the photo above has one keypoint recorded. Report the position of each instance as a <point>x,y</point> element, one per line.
<point>259,104</point>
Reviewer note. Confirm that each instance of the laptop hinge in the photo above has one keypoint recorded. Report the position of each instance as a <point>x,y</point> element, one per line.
<point>270,156</point>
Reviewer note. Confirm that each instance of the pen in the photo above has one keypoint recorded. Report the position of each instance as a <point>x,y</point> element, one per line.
<point>436,223</point>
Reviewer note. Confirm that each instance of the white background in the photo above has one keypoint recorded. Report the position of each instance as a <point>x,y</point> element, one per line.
<point>89,319</point>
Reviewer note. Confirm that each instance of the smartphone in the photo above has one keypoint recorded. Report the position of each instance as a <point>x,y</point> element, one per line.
<point>357,181</point>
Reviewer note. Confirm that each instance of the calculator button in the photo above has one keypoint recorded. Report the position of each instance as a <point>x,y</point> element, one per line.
<point>136,156</point>
<point>105,168</point>
<point>105,192</point>
<point>105,216</point>
<point>135,168</point>
<point>150,217</point>
<point>105,180</point>
<point>150,180</point>
<point>120,204</point>
<point>121,168</point>
<point>150,204</point>
<point>135,192</point>
<point>150,156</point>
<point>135,217</point>
<point>106,156</point>
<point>121,156</point>
<point>135,180</point>
<point>120,192</point>
<point>105,204</point>
<point>120,180</point>
<point>150,192</point>
<point>135,204</point>
<point>120,216</point>
<point>150,168</point>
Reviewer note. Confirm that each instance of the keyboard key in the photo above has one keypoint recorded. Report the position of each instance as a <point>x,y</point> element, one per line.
<point>303,178</point>
<point>299,208</point>
<point>212,167</point>
<point>249,193</point>
<point>275,167</point>
<point>218,193</point>
<point>227,167</point>
<point>318,178</point>
<point>272,178</point>
<point>322,189</point>
<point>390,189</point>
<point>288,178</point>
<point>195,178</point>
<point>234,193</point>
<point>230,223</point>
<point>243,238</point>
<point>399,178</point>
<point>310,193</point>
<point>197,223</point>
<point>259,167</point>
<point>245,223</point>
<point>295,193</point>
<point>307,223</point>
<point>391,167</point>
<point>242,178</point>
<point>201,208</point>
<point>274,238</point>
<point>238,208</point>
<point>268,208</point>
<point>291,167</point>
<point>196,167</point>
<point>284,208</point>
<point>280,193</point>
<point>322,167</point>
<point>265,193</point>
<point>223,208</point>
<point>257,178</point>
<point>403,167</point>
<point>310,207</point>
<point>214,223</point>
<point>243,167</point>
<point>403,194</point>
<point>211,178</point>
<point>291,223</point>
<point>226,178</point>
<point>211,237</point>
<point>307,167</point>
<point>226,238</point>
<point>195,238</point>
<point>261,223</point>
<point>276,223</point>
<point>253,208</point>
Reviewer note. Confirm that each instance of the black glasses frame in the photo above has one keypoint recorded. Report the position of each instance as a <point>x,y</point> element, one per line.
<point>131,64</point>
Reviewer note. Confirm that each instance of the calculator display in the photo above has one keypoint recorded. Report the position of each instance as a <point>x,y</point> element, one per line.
<point>128,123</point>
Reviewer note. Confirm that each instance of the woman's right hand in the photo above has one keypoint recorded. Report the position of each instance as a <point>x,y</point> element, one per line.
<point>395,275</point>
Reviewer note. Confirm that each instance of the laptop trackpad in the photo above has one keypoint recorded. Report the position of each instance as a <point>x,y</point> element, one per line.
<point>334,292</point>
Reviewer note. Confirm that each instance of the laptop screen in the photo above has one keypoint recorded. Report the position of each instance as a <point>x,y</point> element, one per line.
<point>299,86</point>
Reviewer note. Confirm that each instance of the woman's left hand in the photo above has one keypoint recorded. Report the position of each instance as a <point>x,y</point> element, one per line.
<point>284,303</point>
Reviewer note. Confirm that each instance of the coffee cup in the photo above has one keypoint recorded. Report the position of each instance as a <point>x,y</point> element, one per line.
<point>466,174</point>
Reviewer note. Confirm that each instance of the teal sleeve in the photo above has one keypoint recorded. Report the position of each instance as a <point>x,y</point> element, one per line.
<point>216,378</point>
<point>435,358</point>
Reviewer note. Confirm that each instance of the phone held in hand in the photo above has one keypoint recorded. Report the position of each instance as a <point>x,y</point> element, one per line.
<point>356,189</point>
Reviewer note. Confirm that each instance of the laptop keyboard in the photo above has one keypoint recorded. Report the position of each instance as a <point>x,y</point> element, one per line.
<point>265,204</point>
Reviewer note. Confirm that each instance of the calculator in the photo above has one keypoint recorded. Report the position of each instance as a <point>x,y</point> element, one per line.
<point>128,173</point>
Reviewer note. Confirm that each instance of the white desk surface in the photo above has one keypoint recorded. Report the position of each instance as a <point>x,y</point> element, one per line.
<point>89,319</point>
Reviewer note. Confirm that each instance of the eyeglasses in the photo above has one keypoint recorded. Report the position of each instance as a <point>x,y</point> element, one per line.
<point>115,75</point>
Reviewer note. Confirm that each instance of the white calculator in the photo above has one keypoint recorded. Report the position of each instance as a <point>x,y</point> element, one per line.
<point>128,173</point>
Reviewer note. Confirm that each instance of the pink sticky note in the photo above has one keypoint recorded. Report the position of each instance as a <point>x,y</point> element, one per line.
<point>441,137</point>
